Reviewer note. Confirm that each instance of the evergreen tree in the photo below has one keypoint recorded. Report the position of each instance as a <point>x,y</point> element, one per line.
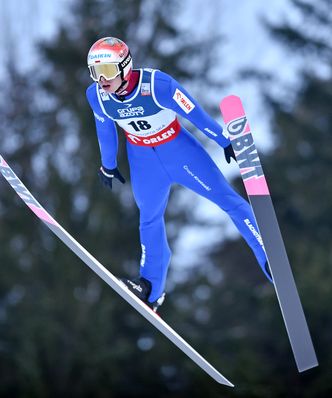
<point>298,174</point>
<point>62,331</point>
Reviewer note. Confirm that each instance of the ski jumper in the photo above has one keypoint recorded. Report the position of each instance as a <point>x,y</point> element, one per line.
<point>160,153</point>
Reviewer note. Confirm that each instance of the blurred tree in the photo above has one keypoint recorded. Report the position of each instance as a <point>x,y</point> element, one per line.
<point>298,174</point>
<point>62,331</point>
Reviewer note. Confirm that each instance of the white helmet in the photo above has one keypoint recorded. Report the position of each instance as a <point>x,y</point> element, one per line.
<point>110,57</point>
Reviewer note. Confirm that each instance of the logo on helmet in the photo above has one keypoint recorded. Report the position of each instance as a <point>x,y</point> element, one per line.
<point>98,56</point>
<point>125,62</point>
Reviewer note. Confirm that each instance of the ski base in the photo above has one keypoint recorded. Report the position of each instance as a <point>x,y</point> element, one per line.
<point>259,196</point>
<point>107,276</point>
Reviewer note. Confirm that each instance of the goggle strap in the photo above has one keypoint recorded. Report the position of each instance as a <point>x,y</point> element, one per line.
<point>121,66</point>
<point>125,62</point>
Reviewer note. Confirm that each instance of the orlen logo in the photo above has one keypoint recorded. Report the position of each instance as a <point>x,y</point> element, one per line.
<point>183,101</point>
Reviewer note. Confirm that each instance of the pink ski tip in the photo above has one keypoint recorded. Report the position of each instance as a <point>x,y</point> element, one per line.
<point>42,214</point>
<point>231,108</point>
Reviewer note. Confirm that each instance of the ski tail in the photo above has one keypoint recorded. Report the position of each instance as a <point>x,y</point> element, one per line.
<point>260,199</point>
<point>107,276</point>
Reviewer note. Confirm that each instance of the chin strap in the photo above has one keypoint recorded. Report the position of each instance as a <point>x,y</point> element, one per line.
<point>118,91</point>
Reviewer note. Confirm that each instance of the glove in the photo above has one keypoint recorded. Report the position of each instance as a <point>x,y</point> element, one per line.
<point>229,153</point>
<point>106,176</point>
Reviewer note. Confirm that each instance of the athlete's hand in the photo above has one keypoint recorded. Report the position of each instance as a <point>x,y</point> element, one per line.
<point>107,175</point>
<point>229,153</point>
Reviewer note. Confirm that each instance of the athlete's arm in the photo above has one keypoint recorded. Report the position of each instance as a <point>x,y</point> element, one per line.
<point>106,131</point>
<point>170,94</point>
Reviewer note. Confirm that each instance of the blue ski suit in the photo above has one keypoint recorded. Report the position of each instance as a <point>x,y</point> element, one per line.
<point>160,153</point>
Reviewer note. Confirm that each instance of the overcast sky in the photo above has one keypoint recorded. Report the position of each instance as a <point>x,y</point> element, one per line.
<point>246,44</point>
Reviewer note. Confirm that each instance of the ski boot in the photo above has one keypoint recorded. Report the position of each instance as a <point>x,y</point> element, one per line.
<point>141,287</point>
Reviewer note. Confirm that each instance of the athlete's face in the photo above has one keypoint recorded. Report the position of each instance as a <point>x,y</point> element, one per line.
<point>110,86</point>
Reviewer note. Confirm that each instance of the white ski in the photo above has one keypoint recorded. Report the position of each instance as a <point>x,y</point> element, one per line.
<point>107,276</point>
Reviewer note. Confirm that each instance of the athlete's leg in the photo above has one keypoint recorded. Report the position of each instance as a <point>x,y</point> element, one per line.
<point>151,186</point>
<point>196,170</point>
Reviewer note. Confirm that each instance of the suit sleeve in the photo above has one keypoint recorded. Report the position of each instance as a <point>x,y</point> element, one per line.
<point>170,94</point>
<point>106,131</point>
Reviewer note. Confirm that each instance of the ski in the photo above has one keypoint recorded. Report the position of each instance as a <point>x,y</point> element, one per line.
<point>107,276</point>
<point>259,196</point>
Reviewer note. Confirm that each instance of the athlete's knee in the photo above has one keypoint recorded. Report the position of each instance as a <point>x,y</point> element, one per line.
<point>151,214</point>
<point>232,202</point>
<point>148,220</point>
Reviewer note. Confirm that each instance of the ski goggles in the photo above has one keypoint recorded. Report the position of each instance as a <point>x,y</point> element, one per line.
<point>107,71</point>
